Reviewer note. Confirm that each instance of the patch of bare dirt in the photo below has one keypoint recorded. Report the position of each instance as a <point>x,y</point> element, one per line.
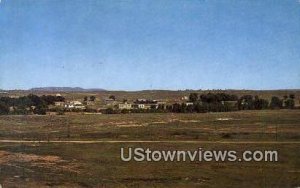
<point>130,125</point>
<point>47,161</point>
<point>224,119</point>
<point>133,124</point>
<point>189,121</point>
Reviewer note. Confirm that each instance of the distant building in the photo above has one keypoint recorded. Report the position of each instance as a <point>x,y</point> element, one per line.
<point>59,103</point>
<point>185,98</point>
<point>75,105</point>
<point>90,103</point>
<point>69,106</point>
<point>81,107</point>
<point>125,105</point>
<point>189,103</point>
<point>11,109</point>
<point>297,104</point>
<point>139,106</point>
<point>14,96</point>
<point>110,102</point>
<point>230,102</point>
<point>147,104</point>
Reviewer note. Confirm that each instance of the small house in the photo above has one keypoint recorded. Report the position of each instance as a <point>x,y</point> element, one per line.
<point>125,105</point>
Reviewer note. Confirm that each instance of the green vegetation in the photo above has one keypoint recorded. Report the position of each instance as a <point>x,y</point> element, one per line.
<point>222,102</point>
<point>28,104</point>
<point>210,102</point>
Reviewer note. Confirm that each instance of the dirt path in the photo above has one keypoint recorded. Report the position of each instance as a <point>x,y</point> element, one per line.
<point>150,141</point>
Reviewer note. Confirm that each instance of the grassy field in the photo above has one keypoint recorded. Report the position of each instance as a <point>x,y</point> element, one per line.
<point>99,164</point>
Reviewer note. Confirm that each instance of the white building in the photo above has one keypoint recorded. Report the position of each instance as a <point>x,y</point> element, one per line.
<point>125,105</point>
<point>59,103</point>
<point>75,105</point>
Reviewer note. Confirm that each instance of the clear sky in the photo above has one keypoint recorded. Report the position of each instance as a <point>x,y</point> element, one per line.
<point>155,44</point>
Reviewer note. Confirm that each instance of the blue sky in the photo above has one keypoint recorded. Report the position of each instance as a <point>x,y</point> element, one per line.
<point>135,45</point>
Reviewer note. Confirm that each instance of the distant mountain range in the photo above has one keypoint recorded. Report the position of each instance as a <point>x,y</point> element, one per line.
<point>80,89</point>
<point>65,89</point>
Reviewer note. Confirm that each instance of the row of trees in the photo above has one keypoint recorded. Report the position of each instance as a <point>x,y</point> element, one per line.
<point>210,102</point>
<point>212,97</point>
<point>28,104</point>
<point>226,102</point>
<point>219,102</point>
<point>201,107</point>
<point>248,102</point>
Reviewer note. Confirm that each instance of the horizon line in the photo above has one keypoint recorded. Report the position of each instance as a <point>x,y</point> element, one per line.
<point>138,90</point>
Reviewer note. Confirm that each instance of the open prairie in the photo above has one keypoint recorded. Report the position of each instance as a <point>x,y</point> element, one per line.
<point>84,150</point>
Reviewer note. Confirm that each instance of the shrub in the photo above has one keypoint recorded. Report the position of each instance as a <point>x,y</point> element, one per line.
<point>275,103</point>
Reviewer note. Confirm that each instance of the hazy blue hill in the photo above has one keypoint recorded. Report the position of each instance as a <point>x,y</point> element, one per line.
<point>65,89</point>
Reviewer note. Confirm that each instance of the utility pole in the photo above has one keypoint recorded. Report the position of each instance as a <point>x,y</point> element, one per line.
<point>68,130</point>
<point>276,131</point>
<point>216,134</point>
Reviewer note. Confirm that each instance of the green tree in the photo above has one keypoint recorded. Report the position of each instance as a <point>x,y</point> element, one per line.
<point>260,104</point>
<point>4,109</point>
<point>112,97</point>
<point>289,103</point>
<point>176,108</point>
<point>246,102</point>
<point>275,103</point>
<point>40,110</point>
<point>193,97</point>
<point>292,96</point>
<point>109,111</point>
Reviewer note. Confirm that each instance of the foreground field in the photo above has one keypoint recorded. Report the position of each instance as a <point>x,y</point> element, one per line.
<point>34,164</point>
